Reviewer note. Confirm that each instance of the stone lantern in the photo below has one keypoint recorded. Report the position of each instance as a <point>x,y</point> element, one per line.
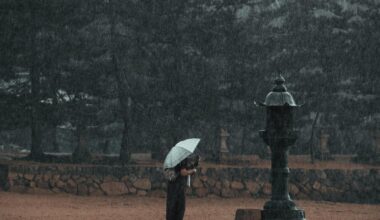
<point>323,145</point>
<point>223,153</point>
<point>279,134</point>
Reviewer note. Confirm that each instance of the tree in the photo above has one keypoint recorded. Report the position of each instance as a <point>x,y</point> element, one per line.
<point>35,19</point>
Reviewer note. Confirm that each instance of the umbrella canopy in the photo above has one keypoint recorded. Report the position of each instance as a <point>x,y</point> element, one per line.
<point>180,151</point>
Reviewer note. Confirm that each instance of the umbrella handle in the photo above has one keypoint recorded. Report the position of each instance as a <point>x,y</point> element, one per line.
<point>189,181</point>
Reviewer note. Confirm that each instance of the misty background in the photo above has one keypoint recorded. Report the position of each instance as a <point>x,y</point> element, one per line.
<point>116,76</point>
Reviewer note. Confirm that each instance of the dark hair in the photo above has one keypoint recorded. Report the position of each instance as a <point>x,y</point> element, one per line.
<point>192,161</point>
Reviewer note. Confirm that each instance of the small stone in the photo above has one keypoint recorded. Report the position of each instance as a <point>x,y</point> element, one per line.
<point>81,180</point>
<point>215,191</point>
<point>89,181</point>
<point>52,183</point>
<point>253,187</point>
<point>55,177</point>
<point>155,184</point>
<point>237,185</point>
<point>109,178</point>
<point>124,179</point>
<point>227,193</point>
<point>71,183</point>
<point>293,189</point>
<point>95,179</point>
<point>196,182</point>
<point>132,178</point>
<point>211,182</point>
<point>334,190</point>
<point>132,190</point>
<point>96,193</point>
<point>95,185</point>
<point>141,193</point>
<point>356,186</point>
<point>267,189</point>
<point>323,189</point>
<point>114,188</point>
<point>37,178</point>
<point>29,176</point>
<point>60,184</point>
<point>144,184</point>
<point>32,184</point>
<point>91,189</point>
<point>12,175</point>
<point>203,178</point>
<point>218,185</point>
<point>75,177</point>
<point>321,174</point>
<point>316,185</point>
<point>226,184</point>
<point>64,177</point>
<point>245,194</point>
<point>128,184</point>
<point>43,185</point>
<point>46,177</point>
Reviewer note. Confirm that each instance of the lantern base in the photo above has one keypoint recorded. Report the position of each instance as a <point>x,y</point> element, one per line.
<point>274,214</point>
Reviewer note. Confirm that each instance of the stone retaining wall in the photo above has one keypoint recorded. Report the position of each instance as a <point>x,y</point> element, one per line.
<point>360,185</point>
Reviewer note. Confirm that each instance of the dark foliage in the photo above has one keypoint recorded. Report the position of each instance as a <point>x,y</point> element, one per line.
<point>141,75</point>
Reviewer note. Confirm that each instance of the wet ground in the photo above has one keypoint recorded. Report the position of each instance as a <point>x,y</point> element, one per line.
<point>69,207</point>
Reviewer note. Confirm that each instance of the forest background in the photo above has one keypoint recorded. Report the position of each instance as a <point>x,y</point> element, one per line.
<point>118,76</point>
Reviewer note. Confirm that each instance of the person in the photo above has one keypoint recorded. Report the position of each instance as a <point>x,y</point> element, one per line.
<point>175,199</point>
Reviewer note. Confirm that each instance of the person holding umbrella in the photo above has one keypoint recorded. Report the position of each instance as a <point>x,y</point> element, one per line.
<point>178,171</point>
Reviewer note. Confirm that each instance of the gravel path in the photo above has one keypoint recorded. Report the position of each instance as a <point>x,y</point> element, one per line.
<point>68,207</point>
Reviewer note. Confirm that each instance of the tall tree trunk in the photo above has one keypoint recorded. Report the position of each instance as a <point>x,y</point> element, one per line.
<point>122,87</point>
<point>311,143</point>
<point>36,148</point>
<point>81,153</point>
<point>125,110</point>
<point>124,148</point>
<point>55,121</point>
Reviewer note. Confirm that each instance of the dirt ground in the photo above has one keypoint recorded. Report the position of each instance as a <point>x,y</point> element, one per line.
<point>69,207</point>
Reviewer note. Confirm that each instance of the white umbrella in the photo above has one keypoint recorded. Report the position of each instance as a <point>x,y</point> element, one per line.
<point>180,151</point>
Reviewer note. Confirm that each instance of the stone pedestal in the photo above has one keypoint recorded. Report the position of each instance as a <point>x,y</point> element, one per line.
<point>223,151</point>
<point>282,214</point>
<point>258,214</point>
<point>248,214</point>
<point>280,206</point>
<point>325,152</point>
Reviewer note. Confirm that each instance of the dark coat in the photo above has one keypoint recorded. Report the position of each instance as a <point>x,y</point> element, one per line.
<point>175,199</point>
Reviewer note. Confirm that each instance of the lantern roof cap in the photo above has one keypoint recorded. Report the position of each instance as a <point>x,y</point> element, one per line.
<point>279,96</point>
